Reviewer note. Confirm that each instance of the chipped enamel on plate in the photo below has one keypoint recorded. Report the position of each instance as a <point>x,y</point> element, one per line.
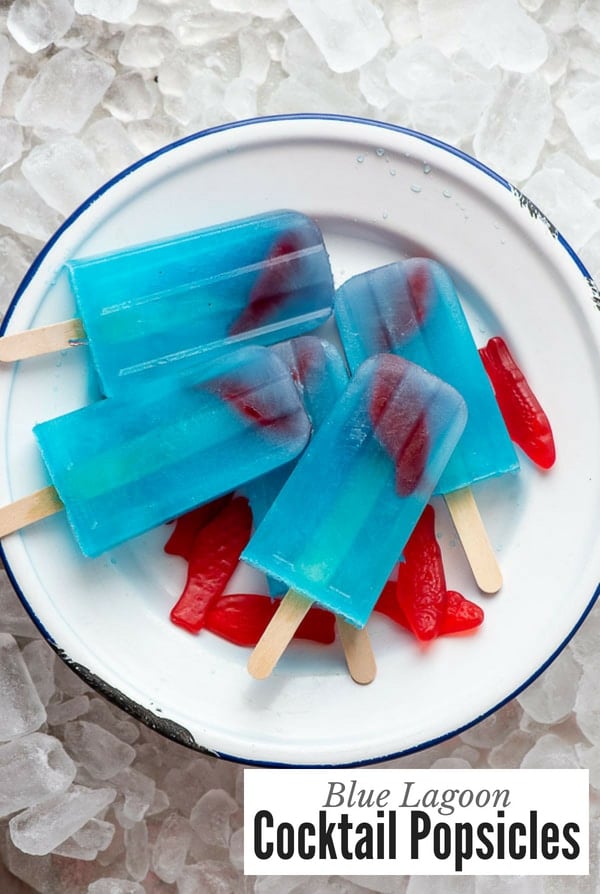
<point>379,193</point>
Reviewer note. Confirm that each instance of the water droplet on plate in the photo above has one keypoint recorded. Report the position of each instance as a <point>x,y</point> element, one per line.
<point>360,159</point>
<point>415,187</point>
<point>426,168</point>
<point>380,152</point>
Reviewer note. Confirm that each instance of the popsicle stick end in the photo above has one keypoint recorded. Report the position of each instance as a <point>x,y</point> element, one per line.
<point>475,541</point>
<point>358,652</point>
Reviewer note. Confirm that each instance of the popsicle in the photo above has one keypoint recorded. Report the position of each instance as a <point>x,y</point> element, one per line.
<point>345,513</point>
<point>320,375</point>
<point>154,309</point>
<point>411,308</point>
<point>121,467</point>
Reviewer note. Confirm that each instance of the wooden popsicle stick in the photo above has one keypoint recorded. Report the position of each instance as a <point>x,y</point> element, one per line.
<point>358,652</point>
<point>475,541</point>
<point>29,509</point>
<point>277,634</point>
<point>44,340</point>
<point>284,623</point>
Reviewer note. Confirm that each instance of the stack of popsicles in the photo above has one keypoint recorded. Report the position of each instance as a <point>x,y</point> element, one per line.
<point>196,405</point>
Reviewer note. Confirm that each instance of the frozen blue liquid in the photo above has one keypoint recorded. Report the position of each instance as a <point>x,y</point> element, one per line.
<point>123,466</point>
<point>411,308</point>
<point>320,375</point>
<point>153,310</point>
<point>339,523</point>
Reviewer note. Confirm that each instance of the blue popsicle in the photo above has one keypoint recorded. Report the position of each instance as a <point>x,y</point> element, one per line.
<point>122,467</point>
<point>152,310</point>
<point>411,309</point>
<point>345,513</point>
<point>320,375</point>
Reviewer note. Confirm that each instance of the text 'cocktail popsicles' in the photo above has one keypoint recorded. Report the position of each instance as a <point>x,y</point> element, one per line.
<point>120,467</point>
<point>411,308</point>
<point>152,310</point>
<point>345,513</point>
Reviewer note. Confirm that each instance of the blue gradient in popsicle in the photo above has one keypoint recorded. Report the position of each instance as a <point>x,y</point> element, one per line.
<point>152,310</point>
<point>345,513</point>
<point>122,467</point>
<point>411,308</point>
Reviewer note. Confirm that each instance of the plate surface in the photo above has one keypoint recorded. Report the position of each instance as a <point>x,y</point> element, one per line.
<point>379,193</point>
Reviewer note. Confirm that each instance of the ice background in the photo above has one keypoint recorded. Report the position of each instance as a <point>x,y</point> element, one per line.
<point>91,800</point>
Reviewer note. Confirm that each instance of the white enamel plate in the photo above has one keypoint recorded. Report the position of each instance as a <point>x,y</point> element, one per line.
<point>379,193</point>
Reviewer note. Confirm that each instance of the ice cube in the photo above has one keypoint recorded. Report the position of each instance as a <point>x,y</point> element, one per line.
<point>267,9</point>
<point>565,203</point>
<point>171,847</point>
<point>254,56</point>
<point>443,23</point>
<point>137,851</point>
<point>11,142</point>
<point>15,258</point>
<point>130,97</point>
<point>559,16</point>
<point>215,875</point>
<point>65,91</point>
<point>114,720</point>
<point>493,729</point>
<point>514,127</point>
<point>21,710</point>
<point>107,10</point>
<point>374,84</point>
<point>443,99</point>
<point>511,751</point>
<point>312,93</point>
<point>144,47</point>
<point>500,32</point>
<point>211,817</point>
<point>156,132</point>
<point>115,886</point>
<point>4,61</point>
<point>70,709</point>
<point>588,16</point>
<point>96,749</point>
<point>41,828</point>
<point>551,752</point>
<point>63,173</point>
<point>551,697</point>
<point>347,32</point>
<point>40,660</point>
<point>35,24</point>
<point>138,791</point>
<point>96,833</point>
<point>587,709</point>
<point>580,108</point>
<point>31,769</point>
<point>22,210</point>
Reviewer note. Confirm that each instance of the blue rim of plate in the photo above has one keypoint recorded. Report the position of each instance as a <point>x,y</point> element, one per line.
<point>170,729</point>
